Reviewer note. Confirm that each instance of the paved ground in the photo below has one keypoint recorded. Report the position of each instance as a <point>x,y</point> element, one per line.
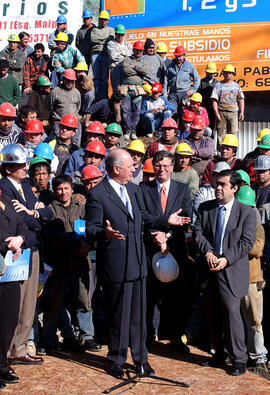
<point>81,374</point>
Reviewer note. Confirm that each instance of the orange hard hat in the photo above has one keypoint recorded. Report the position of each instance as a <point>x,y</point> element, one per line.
<point>148,166</point>
<point>90,172</point>
<point>69,120</point>
<point>198,123</point>
<point>34,126</point>
<point>7,110</point>
<point>138,45</point>
<point>96,127</point>
<point>169,123</point>
<point>97,147</point>
<point>188,116</point>
<point>180,50</point>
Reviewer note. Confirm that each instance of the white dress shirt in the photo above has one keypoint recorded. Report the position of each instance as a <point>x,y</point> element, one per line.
<point>228,207</point>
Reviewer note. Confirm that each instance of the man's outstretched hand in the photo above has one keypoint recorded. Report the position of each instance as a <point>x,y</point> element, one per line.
<point>110,233</point>
<point>176,220</point>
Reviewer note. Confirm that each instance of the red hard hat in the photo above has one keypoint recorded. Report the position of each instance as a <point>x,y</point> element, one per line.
<point>179,50</point>
<point>7,110</point>
<point>198,123</point>
<point>157,87</point>
<point>96,127</point>
<point>138,45</point>
<point>69,74</point>
<point>97,147</point>
<point>90,172</point>
<point>169,123</point>
<point>188,116</point>
<point>34,126</point>
<point>69,120</point>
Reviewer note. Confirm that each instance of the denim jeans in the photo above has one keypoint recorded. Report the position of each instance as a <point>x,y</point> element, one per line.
<point>252,310</point>
<point>82,307</point>
<point>100,66</point>
<point>154,121</point>
<point>130,112</point>
<point>176,100</point>
<point>116,77</point>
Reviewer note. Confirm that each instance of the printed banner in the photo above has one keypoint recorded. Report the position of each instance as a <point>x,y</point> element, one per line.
<point>190,23</point>
<point>38,18</point>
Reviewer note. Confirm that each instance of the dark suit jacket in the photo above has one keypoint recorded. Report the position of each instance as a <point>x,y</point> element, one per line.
<point>34,225</point>
<point>178,197</point>
<point>118,260</point>
<point>238,240</point>
<point>10,224</point>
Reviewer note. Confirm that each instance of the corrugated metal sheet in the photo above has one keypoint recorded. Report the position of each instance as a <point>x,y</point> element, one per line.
<point>247,136</point>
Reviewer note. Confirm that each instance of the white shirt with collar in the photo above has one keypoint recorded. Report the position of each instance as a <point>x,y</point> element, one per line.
<point>116,186</point>
<point>16,184</point>
<point>228,207</point>
<point>166,185</point>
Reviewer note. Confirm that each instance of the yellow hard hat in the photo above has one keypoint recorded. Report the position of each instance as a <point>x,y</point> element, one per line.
<point>230,139</point>
<point>104,15</point>
<point>211,67</point>
<point>82,66</point>
<point>136,145</point>
<point>197,97</point>
<point>148,89</point>
<point>14,38</point>
<point>183,149</point>
<point>61,37</point>
<point>161,48</point>
<point>262,133</point>
<point>229,68</point>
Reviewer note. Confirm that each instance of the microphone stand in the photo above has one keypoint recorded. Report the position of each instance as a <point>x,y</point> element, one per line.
<point>141,373</point>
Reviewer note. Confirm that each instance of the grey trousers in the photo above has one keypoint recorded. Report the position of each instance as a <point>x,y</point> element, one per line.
<point>224,318</point>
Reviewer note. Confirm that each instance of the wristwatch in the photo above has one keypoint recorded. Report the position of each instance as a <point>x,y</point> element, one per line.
<point>168,235</point>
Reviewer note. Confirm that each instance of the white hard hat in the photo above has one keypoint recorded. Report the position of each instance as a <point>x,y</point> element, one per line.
<point>220,166</point>
<point>165,267</point>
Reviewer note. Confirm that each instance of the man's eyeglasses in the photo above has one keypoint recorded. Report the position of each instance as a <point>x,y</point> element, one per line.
<point>162,166</point>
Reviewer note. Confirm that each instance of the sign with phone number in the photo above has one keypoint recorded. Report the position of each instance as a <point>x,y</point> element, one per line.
<point>38,18</point>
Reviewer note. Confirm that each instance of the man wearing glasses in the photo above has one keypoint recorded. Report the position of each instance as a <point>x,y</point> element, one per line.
<point>163,196</point>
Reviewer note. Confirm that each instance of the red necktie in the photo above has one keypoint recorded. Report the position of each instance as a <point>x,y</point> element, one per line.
<point>163,198</point>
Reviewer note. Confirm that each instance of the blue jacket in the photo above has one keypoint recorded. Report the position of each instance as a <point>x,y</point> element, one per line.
<point>167,105</point>
<point>179,78</point>
<point>75,161</point>
<point>33,224</point>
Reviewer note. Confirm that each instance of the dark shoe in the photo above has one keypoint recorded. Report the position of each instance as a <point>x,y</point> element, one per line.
<point>26,360</point>
<point>2,385</point>
<point>215,361</point>
<point>72,344</point>
<point>8,378</point>
<point>91,345</point>
<point>179,346</point>
<point>116,370</point>
<point>11,370</point>
<point>147,370</point>
<point>238,369</point>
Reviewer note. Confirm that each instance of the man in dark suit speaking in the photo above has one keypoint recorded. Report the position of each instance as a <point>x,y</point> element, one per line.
<point>225,233</point>
<point>114,215</point>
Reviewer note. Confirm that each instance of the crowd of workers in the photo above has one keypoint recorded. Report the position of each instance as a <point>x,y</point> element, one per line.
<point>79,173</point>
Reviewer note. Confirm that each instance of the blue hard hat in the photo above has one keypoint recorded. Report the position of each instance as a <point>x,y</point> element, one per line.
<point>44,150</point>
<point>61,19</point>
<point>87,14</point>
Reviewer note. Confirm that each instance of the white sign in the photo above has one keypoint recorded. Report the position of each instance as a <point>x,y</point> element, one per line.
<point>38,18</point>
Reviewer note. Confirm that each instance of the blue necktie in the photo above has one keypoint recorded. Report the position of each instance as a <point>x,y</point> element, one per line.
<point>125,200</point>
<point>219,228</point>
